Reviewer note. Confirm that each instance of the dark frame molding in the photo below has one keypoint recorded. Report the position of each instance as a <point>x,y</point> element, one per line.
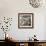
<point>32,21</point>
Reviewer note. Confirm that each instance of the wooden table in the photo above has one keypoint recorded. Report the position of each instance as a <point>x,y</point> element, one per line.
<point>27,42</point>
<point>30,43</point>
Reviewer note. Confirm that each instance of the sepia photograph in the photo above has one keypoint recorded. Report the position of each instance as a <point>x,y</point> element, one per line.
<point>25,20</point>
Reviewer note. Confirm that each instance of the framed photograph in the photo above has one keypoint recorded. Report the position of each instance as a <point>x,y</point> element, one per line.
<point>25,20</point>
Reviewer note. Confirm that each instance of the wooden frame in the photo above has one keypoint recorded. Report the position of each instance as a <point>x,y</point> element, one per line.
<point>25,20</point>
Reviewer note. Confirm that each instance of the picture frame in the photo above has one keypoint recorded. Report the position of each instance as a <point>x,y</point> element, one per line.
<point>25,20</point>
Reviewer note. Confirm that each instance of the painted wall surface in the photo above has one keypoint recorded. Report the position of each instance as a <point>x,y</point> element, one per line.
<point>11,8</point>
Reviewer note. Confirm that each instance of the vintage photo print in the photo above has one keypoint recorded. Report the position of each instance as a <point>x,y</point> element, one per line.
<point>25,20</point>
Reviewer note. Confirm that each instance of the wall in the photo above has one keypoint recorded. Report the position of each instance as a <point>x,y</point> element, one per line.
<point>11,8</point>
